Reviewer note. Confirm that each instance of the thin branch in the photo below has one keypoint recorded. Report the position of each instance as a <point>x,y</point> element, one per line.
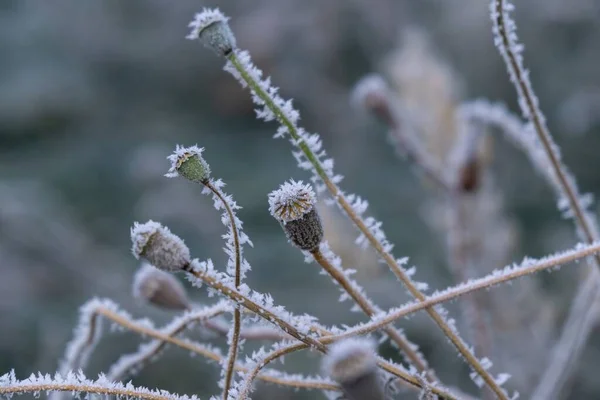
<point>506,40</point>
<point>120,369</point>
<point>78,384</point>
<point>509,273</point>
<point>408,349</point>
<point>234,335</point>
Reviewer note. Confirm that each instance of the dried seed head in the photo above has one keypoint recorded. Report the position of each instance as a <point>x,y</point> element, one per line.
<point>353,364</point>
<point>211,27</point>
<point>159,288</point>
<point>291,201</point>
<point>157,245</point>
<point>293,205</point>
<point>189,163</point>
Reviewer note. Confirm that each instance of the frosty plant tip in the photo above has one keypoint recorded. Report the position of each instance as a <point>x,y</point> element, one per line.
<point>212,29</point>
<point>293,205</point>
<point>353,364</point>
<point>157,245</point>
<point>188,163</point>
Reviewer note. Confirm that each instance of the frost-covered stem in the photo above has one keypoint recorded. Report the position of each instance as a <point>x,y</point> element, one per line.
<point>253,373</point>
<point>79,353</point>
<point>408,349</point>
<point>105,388</point>
<point>121,368</point>
<point>249,332</point>
<point>237,320</point>
<point>254,307</point>
<point>207,353</point>
<point>582,318</point>
<point>506,41</point>
<point>461,261</point>
<point>493,279</point>
<point>339,197</point>
<point>407,378</point>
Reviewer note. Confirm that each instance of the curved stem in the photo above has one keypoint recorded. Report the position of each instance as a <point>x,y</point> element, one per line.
<point>237,320</point>
<point>370,309</point>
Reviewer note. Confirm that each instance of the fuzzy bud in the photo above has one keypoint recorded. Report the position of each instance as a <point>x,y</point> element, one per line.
<point>212,29</point>
<point>188,163</point>
<point>293,205</point>
<point>157,245</point>
<point>160,289</point>
<point>352,363</point>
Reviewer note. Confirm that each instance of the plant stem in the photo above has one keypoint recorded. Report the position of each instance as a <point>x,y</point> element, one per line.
<point>370,309</point>
<point>237,320</point>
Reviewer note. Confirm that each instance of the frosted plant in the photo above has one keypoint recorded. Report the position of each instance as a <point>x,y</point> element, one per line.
<point>351,365</point>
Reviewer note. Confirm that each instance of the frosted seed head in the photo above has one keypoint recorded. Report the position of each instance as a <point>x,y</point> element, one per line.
<point>306,233</point>
<point>293,205</point>
<point>353,364</point>
<point>157,245</point>
<point>291,201</point>
<point>159,289</point>
<point>212,29</point>
<point>188,163</point>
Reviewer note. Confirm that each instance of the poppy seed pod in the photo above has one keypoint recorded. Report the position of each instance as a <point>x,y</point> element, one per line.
<point>293,206</point>
<point>212,29</point>
<point>188,163</point>
<point>353,364</point>
<point>157,245</point>
<point>159,288</point>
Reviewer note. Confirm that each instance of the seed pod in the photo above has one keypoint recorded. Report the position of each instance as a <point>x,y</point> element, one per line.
<point>212,29</point>
<point>293,206</point>
<point>157,245</point>
<point>189,163</point>
<point>353,364</point>
<point>159,288</point>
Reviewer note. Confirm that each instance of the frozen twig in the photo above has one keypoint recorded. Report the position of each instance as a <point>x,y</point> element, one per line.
<point>78,384</point>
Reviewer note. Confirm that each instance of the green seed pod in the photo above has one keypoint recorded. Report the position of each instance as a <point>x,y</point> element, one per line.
<point>212,29</point>
<point>189,163</point>
<point>293,206</point>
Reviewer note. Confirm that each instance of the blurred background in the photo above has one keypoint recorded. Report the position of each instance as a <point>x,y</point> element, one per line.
<point>95,95</point>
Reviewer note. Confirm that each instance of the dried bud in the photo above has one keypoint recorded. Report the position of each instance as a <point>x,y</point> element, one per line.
<point>469,176</point>
<point>188,162</point>
<point>211,27</point>
<point>293,206</point>
<point>159,288</point>
<point>352,363</point>
<point>372,93</point>
<point>157,245</point>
